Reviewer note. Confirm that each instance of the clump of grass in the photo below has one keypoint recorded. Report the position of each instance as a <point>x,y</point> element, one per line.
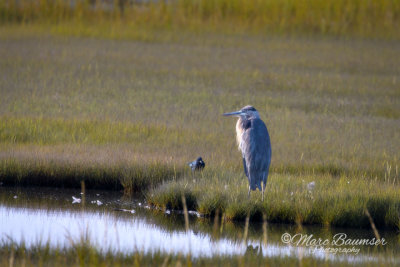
<point>172,197</point>
<point>212,204</point>
<point>333,201</point>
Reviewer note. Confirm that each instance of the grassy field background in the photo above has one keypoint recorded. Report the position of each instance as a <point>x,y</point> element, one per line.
<point>133,19</point>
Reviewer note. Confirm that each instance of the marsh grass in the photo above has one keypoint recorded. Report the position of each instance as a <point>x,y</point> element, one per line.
<point>124,19</point>
<point>83,253</point>
<point>335,201</point>
<point>130,115</point>
<point>129,176</point>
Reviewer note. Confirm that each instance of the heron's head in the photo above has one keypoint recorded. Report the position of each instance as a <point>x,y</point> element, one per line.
<point>245,113</point>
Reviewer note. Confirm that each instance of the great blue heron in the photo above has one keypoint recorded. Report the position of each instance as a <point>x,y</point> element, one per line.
<point>197,165</point>
<point>254,143</point>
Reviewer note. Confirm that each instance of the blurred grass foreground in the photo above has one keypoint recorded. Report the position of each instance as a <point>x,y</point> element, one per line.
<point>126,18</point>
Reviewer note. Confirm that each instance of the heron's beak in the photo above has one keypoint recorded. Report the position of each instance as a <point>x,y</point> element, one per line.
<point>236,113</point>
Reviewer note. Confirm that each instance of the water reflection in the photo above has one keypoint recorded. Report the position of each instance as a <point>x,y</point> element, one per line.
<point>105,231</point>
<point>37,216</point>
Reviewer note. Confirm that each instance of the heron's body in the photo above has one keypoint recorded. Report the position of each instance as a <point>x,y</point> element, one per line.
<point>254,143</point>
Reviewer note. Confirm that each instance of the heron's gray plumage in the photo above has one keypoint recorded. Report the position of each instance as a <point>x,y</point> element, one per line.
<point>256,152</point>
<point>255,145</point>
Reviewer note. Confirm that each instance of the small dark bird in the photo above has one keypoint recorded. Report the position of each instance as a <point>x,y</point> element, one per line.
<point>197,165</point>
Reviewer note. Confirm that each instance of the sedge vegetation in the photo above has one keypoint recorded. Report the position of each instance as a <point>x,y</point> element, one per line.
<point>130,114</point>
<point>84,254</point>
<point>145,19</point>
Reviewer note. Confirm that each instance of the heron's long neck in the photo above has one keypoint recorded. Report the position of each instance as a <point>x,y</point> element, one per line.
<point>239,132</point>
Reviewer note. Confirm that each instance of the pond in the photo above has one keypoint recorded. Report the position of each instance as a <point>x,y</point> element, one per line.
<point>111,221</point>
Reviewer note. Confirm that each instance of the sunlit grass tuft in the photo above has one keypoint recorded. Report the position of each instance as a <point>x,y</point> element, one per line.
<point>289,198</point>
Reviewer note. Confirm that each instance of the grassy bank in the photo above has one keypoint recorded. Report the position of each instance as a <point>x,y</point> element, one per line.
<point>124,19</point>
<point>334,201</point>
<point>127,114</point>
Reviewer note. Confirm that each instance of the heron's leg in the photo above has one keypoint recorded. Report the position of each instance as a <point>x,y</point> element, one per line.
<point>248,194</point>
<point>262,191</point>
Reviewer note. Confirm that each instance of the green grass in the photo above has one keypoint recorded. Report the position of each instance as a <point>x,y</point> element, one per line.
<point>84,254</point>
<point>335,201</point>
<point>376,18</point>
<point>131,177</point>
<point>129,114</point>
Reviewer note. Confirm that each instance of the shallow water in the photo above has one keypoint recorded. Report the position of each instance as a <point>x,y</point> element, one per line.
<point>110,221</point>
